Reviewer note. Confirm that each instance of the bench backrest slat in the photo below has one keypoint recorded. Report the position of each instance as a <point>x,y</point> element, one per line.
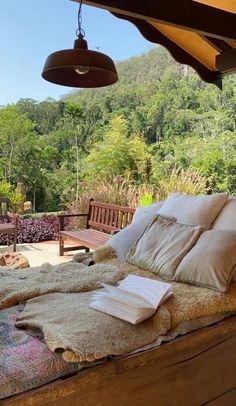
<point>125,219</point>
<point>116,217</point>
<point>103,215</point>
<point>111,217</point>
<point>99,215</point>
<point>108,217</point>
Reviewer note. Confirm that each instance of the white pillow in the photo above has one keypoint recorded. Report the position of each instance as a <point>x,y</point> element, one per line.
<point>226,219</point>
<point>145,211</point>
<point>194,210</point>
<point>122,241</point>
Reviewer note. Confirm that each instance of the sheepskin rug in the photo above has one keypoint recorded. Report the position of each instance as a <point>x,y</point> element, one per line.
<point>21,285</point>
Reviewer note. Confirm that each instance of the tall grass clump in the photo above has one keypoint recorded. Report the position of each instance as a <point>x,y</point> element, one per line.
<point>182,181</point>
<point>126,192</point>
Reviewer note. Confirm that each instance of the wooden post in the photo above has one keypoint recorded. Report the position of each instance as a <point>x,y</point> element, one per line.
<point>61,240</point>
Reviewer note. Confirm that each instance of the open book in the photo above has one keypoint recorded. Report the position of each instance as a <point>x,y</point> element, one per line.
<point>134,300</point>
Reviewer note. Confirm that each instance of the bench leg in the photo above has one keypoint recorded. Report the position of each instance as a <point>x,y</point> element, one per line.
<point>14,243</point>
<point>61,246</point>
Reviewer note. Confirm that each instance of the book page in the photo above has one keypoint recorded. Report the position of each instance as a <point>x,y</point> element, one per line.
<point>123,296</point>
<point>123,313</point>
<point>155,292</point>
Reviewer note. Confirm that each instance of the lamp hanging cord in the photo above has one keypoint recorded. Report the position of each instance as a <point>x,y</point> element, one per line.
<point>80,32</point>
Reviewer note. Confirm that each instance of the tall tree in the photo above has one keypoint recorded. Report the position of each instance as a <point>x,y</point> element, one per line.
<point>117,154</point>
<point>13,127</point>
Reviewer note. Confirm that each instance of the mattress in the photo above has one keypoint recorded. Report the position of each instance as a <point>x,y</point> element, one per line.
<point>25,361</point>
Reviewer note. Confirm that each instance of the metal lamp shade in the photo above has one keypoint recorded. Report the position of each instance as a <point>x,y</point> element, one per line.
<point>60,68</point>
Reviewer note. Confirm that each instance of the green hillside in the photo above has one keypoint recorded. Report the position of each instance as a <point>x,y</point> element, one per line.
<point>139,70</point>
<point>159,128</point>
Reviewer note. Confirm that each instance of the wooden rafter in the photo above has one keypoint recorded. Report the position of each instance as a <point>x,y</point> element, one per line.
<point>187,14</point>
<point>154,35</point>
<point>218,44</point>
<point>226,62</point>
<point>198,33</point>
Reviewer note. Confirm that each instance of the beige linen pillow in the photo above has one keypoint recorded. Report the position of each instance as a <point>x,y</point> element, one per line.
<point>226,220</point>
<point>163,245</point>
<point>211,261</point>
<point>122,241</point>
<point>201,209</point>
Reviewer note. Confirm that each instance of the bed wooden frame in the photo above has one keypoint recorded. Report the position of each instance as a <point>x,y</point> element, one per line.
<point>196,369</point>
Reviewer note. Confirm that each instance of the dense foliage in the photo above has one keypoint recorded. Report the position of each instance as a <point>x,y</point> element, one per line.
<point>33,230</point>
<point>159,128</point>
<point>15,198</point>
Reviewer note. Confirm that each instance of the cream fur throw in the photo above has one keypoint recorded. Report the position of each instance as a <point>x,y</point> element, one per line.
<point>103,253</point>
<point>188,301</point>
<point>83,334</point>
<point>21,285</point>
<point>85,258</point>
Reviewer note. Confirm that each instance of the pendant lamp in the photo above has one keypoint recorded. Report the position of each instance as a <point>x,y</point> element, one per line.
<point>80,67</point>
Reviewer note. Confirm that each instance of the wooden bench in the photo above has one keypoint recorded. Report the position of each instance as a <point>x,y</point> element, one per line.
<point>102,220</point>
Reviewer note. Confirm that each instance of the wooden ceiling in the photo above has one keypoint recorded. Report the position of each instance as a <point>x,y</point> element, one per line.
<point>199,33</point>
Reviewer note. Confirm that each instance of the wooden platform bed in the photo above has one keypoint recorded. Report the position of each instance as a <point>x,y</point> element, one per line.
<point>195,369</point>
<point>198,368</point>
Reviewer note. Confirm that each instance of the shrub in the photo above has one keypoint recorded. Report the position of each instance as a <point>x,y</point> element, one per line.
<point>7,190</point>
<point>39,215</point>
<point>44,228</point>
<point>146,200</point>
<point>121,191</point>
<point>182,181</point>
<point>126,192</point>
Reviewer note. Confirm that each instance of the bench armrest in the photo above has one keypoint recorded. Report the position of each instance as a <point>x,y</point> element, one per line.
<point>63,216</point>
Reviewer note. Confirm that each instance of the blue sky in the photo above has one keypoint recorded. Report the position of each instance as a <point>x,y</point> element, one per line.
<point>32,29</point>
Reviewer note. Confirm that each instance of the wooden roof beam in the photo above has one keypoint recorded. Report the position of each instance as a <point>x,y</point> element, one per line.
<point>187,14</point>
<point>218,44</point>
<point>180,55</point>
<point>226,62</point>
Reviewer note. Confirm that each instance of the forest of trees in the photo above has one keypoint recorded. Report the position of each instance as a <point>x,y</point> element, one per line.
<point>159,128</point>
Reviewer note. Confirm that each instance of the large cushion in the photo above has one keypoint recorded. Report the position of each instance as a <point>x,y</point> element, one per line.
<point>226,219</point>
<point>162,246</point>
<point>194,210</point>
<point>122,241</point>
<point>211,262</point>
<point>234,275</point>
<point>146,211</point>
